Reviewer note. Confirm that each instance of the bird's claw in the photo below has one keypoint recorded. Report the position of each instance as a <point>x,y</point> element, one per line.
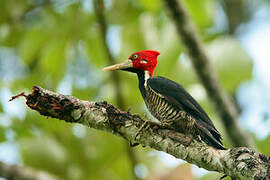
<point>147,124</point>
<point>223,176</point>
<point>133,144</point>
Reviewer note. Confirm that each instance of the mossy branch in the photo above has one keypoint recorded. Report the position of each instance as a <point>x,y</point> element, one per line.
<point>241,163</point>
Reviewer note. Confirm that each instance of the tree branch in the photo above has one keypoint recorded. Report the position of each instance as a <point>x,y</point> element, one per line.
<point>223,103</point>
<point>242,162</point>
<point>11,172</point>
<point>236,13</point>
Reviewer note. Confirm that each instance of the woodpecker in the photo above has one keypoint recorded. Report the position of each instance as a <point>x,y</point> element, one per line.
<point>168,101</point>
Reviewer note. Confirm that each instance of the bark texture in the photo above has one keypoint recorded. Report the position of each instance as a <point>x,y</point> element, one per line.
<point>194,46</point>
<point>15,172</point>
<point>241,163</point>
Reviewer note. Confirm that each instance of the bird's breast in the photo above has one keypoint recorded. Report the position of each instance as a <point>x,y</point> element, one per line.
<point>164,111</point>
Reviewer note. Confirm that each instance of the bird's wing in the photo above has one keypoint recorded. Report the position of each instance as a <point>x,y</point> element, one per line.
<point>180,98</point>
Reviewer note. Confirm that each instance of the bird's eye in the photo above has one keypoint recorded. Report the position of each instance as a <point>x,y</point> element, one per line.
<point>135,56</point>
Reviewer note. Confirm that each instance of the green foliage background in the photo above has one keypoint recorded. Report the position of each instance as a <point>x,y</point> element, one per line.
<point>57,45</point>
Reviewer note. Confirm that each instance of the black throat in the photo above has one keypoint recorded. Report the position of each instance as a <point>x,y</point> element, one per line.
<point>141,77</point>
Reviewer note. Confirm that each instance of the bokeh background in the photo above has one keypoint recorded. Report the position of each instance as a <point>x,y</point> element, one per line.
<point>57,44</point>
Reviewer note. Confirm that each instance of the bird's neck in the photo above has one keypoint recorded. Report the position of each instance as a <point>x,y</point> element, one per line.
<point>143,76</point>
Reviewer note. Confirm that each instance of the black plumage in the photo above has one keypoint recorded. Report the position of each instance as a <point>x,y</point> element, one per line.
<point>170,103</point>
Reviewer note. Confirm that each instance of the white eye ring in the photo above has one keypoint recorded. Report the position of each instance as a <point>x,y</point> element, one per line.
<point>143,61</point>
<point>135,56</point>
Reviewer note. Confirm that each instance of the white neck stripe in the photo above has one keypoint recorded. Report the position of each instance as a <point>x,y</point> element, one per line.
<point>146,77</point>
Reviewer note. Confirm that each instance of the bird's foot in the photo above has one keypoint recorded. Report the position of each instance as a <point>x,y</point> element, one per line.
<point>153,125</point>
<point>223,176</point>
<point>145,125</point>
<point>133,144</point>
<point>162,125</point>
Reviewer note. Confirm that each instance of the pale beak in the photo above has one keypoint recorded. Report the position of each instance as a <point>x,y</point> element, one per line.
<point>124,65</point>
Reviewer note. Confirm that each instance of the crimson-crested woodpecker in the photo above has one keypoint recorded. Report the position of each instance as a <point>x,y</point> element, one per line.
<point>168,101</point>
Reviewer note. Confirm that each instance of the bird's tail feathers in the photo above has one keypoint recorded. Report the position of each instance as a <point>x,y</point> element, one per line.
<point>212,138</point>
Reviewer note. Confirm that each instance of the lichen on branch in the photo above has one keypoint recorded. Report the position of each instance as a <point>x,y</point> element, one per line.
<point>241,163</point>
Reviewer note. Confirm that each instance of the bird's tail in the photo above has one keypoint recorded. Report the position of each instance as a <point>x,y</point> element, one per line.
<point>210,137</point>
<point>211,141</point>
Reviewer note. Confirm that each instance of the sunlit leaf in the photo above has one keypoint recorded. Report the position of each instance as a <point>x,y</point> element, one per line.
<point>264,145</point>
<point>202,11</point>
<point>151,5</point>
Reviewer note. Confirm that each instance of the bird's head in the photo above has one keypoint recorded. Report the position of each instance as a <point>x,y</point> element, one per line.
<point>143,60</point>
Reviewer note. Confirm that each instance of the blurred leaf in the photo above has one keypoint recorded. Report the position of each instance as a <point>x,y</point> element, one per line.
<point>213,176</point>
<point>231,62</point>
<point>94,47</point>
<point>151,5</point>
<point>34,124</point>
<point>123,12</point>
<point>12,10</point>
<point>31,44</point>
<point>87,93</point>
<point>4,11</point>
<point>132,39</point>
<point>12,13</point>
<point>182,171</point>
<point>53,60</point>
<point>2,134</point>
<point>202,11</point>
<point>27,82</point>
<point>42,151</point>
<point>264,145</point>
<point>1,108</point>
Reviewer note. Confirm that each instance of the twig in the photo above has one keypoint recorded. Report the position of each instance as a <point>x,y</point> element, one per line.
<point>16,96</point>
